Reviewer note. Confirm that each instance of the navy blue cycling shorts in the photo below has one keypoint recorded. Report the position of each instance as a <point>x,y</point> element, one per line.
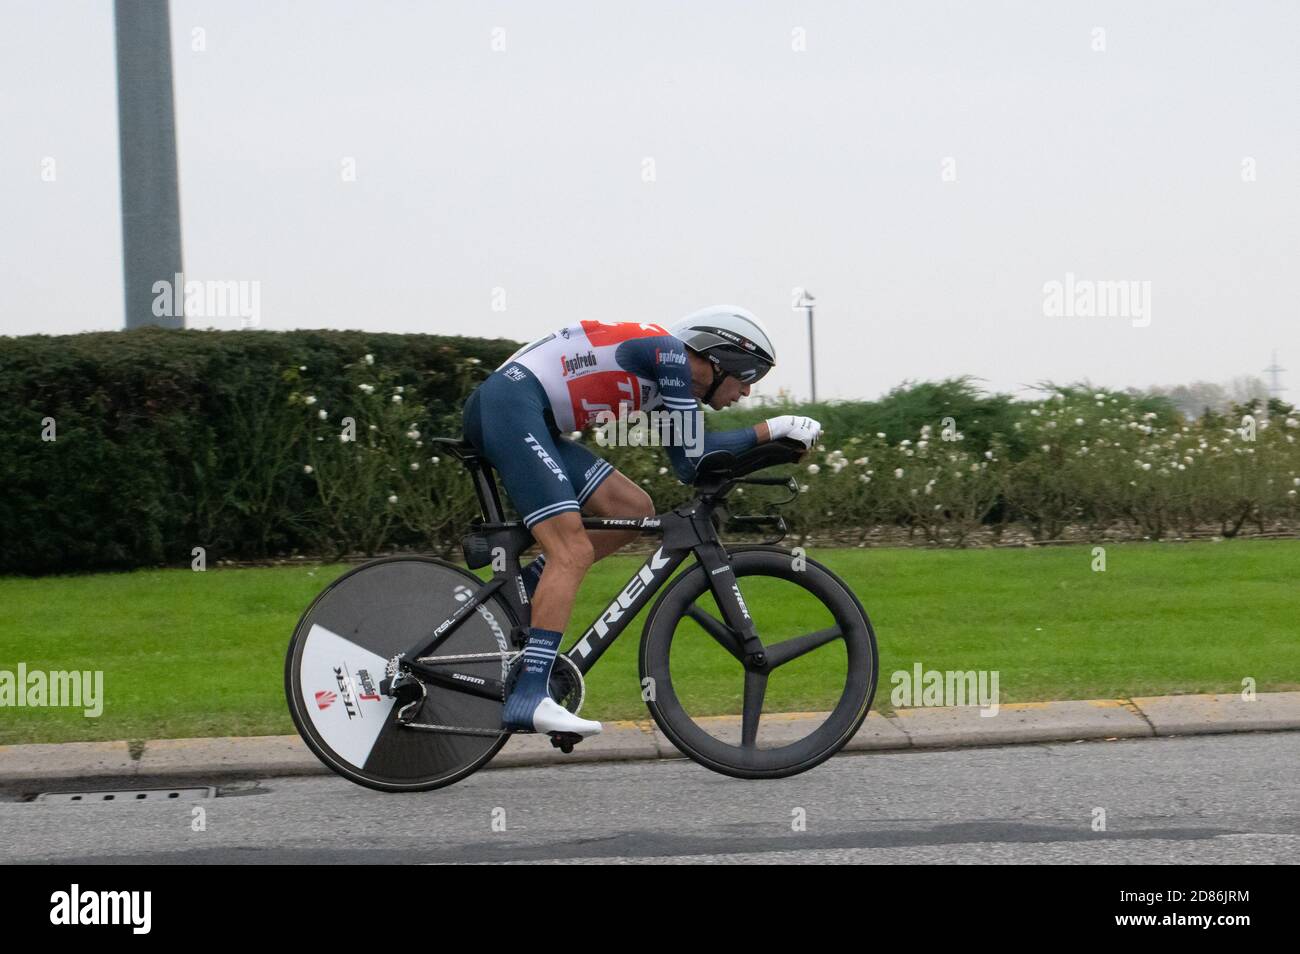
<point>544,473</point>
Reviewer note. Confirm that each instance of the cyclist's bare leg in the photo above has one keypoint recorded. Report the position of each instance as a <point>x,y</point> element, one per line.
<point>617,496</point>
<point>570,550</point>
<point>569,555</point>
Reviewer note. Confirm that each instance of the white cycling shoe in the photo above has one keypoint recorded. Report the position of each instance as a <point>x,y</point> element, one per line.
<point>550,716</point>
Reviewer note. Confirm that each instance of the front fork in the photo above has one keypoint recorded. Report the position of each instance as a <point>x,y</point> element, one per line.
<point>726,592</point>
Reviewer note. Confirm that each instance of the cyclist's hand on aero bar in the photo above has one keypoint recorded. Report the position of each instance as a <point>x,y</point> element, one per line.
<point>803,429</point>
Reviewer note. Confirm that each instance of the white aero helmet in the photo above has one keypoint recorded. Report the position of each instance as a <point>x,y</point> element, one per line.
<point>732,339</point>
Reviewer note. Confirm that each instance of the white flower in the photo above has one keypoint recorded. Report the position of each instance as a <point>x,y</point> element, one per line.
<point>880,434</point>
<point>302,367</point>
<point>323,415</point>
<point>814,469</point>
<point>904,443</point>
<point>392,498</point>
<point>397,399</point>
<point>862,461</point>
<point>1046,448</point>
<point>368,388</point>
<point>399,389</point>
<point>415,465</point>
<point>1079,421</point>
<point>413,434</point>
<point>374,427</point>
<point>988,455</point>
<point>898,473</point>
<point>433,460</point>
<point>1146,466</point>
<point>309,399</point>
<point>1292,422</point>
<point>662,471</point>
<point>866,480</point>
<point>308,469</point>
<point>803,488</point>
<point>474,360</point>
<point>370,359</point>
<point>922,445</point>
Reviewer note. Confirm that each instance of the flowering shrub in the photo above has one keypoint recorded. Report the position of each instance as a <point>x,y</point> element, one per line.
<point>1106,462</point>
<point>373,468</point>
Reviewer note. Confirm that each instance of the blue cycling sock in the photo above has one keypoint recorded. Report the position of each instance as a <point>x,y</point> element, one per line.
<point>534,680</point>
<point>532,574</point>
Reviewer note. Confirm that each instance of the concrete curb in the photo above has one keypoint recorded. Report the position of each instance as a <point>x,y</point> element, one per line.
<point>29,768</point>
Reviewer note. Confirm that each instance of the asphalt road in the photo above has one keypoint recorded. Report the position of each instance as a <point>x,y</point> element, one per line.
<point>1203,800</point>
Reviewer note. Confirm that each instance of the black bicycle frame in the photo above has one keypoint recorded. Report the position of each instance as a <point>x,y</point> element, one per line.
<point>685,530</point>
<point>682,533</point>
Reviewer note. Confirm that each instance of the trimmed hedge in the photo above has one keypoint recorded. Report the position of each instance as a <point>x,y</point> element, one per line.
<point>164,440</point>
<point>126,449</point>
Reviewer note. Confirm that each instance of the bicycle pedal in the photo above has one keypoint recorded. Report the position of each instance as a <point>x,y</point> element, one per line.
<point>564,741</point>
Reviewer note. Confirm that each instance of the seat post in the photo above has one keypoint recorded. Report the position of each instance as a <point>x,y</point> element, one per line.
<point>485,487</point>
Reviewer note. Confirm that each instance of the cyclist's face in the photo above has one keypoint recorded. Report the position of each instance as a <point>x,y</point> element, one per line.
<point>729,392</point>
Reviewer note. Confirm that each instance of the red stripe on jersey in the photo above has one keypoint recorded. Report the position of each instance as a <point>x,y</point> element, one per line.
<point>599,333</point>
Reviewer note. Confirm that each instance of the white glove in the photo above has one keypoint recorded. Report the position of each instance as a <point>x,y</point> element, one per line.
<point>803,429</point>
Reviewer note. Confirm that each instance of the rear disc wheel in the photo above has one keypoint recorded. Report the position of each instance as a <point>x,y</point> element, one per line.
<point>339,653</point>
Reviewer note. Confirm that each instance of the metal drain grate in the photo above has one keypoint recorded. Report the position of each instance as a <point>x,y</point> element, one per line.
<point>138,795</point>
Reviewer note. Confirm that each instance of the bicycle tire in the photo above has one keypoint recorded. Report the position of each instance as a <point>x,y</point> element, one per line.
<point>337,656</point>
<point>663,626</point>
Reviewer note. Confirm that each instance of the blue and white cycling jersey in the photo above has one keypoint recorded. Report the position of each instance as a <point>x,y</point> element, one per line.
<point>594,370</point>
<point>582,375</point>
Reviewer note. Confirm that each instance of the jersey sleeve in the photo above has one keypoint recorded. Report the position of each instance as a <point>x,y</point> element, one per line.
<point>663,360</point>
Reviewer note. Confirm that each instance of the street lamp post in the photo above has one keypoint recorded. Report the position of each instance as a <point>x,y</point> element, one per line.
<point>806,302</point>
<point>151,221</point>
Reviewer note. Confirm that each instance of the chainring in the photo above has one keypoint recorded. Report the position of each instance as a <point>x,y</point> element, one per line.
<point>566,685</point>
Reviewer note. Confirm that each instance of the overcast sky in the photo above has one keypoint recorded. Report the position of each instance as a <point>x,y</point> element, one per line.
<point>789,144</point>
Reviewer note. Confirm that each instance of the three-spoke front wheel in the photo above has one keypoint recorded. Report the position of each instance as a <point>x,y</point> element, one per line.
<point>820,658</point>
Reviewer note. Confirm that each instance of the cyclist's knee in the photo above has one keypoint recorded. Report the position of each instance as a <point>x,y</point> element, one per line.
<point>642,505</point>
<point>570,549</point>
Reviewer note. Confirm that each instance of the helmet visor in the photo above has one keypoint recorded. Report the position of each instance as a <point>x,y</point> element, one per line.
<point>745,368</point>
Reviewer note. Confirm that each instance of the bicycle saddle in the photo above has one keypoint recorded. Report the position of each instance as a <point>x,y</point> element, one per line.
<point>457,447</point>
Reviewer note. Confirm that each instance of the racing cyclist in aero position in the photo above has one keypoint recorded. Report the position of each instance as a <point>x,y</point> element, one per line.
<point>517,418</point>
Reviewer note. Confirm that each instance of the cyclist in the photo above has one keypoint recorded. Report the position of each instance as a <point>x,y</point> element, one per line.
<point>576,377</point>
